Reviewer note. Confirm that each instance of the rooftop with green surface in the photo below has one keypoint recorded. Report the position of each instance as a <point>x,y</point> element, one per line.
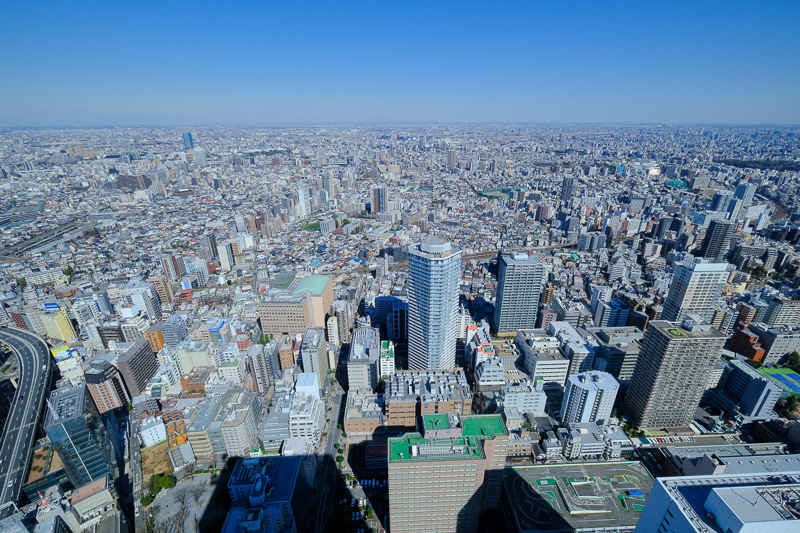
<point>434,421</point>
<point>401,449</point>
<point>474,430</point>
<point>486,426</point>
<point>314,284</point>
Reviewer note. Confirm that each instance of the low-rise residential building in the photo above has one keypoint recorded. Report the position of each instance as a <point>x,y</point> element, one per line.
<point>152,431</point>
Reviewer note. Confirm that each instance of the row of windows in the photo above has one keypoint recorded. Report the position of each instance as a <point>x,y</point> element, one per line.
<point>401,495</point>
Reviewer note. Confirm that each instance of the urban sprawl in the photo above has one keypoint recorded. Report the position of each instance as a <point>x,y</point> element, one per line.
<point>411,329</point>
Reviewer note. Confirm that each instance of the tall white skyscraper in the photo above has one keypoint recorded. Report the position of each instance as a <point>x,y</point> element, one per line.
<point>200,157</point>
<point>304,202</point>
<point>434,267</point>
<point>695,290</point>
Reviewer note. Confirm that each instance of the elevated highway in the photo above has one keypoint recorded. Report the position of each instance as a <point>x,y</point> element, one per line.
<point>19,434</point>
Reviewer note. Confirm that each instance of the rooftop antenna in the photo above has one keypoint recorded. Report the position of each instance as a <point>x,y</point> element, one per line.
<point>761,494</point>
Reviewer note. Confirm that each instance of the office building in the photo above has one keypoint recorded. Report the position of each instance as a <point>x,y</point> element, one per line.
<point>259,481</point>
<point>76,432</point>
<point>411,394</point>
<point>567,184</point>
<point>58,326</point>
<point>314,354</point>
<point>173,330</point>
<point>303,202</point>
<point>262,492</point>
<point>778,342</point>
<point>695,290</point>
<point>744,394</point>
<point>617,351</point>
<point>226,256</point>
<point>386,362</point>
<point>287,314</point>
<point>542,358</point>
<point>154,336</point>
<point>757,502</point>
<point>613,314</point>
<point>573,345</point>
<point>320,291</point>
<point>519,280</point>
<point>526,396</point>
<point>188,142</point>
<point>306,417</point>
<point>589,397</point>
<point>671,371</point>
<point>442,479</point>
<point>782,312</point>
<point>380,199</point>
<point>434,274</point>
<point>106,386</point>
<point>745,192</point>
<point>720,200</point>
<point>363,413</point>
<point>144,297</point>
<point>717,239</point>
<point>137,365</point>
<point>362,365</point>
<point>163,286</point>
<point>201,157</point>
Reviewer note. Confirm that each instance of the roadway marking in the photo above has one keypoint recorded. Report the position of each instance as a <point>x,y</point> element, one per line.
<point>22,345</point>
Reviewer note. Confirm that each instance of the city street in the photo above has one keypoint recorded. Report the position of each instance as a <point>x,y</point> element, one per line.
<point>326,478</point>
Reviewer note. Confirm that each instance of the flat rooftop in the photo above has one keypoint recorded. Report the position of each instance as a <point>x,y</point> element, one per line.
<point>66,403</point>
<point>314,284</point>
<point>486,426</point>
<point>470,432</point>
<point>412,447</point>
<point>280,474</point>
<point>577,497</point>
<point>738,493</point>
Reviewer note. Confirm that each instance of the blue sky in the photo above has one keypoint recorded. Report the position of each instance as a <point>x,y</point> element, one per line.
<point>261,62</point>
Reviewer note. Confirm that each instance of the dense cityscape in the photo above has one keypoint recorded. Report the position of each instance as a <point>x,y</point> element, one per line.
<point>454,328</point>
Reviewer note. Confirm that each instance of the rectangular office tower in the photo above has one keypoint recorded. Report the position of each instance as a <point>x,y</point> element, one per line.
<point>519,288</point>
<point>188,142</point>
<point>380,200</point>
<point>566,187</point>
<point>695,290</point>
<point>444,478</point>
<point>671,372</point>
<point>78,435</point>
<point>434,268</point>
